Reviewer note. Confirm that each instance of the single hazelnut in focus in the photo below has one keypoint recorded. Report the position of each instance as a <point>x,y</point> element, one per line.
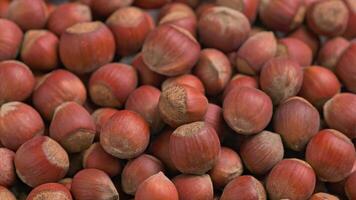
<point>95,157</point>
<point>297,121</point>
<point>16,81</point>
<point>7,168</point>
<point>111,84</point>
<point>137,171</point>
<point>331,154</point>
<point>93,184</point>
<point>97,40</point>
<point>144,100</point>
<point>214,70</point>
<point>182,104</point>
<point>10,39</point>
<point>19,123</point>
<point>331,52</point>
<point>40,50</point>
<point>244,187</point>
<point>248,60</point>
<point>282,15</point>
<point>227,167</point>
<point>295,50</point>
<point>194,187</point>
<point>223,28</point>
<point>66,15</point>
<point>262,152</point>
<point>291,179</point>
<point>319,85</point>
<point>281,78</point>
<point>28,14</point>
<point>185,79</point>
<point>170,50</point>
<point>340,113</point>
<point>328,17</point>
<point>125,135</point>
<point>130,26</point>
<point>55,88</point>
<point>50,191</point>
<point>73,127</point>
<point>41,160</point>
<point>247,110</point>
<point>157,186</point>
<point>194,148</point>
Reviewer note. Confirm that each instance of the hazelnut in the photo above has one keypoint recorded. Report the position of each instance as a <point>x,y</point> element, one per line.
<point>185,79</point>
<point>244,187</point>
<point>194,148</point>
<point>101,116</point>
<point>295,50</point>
<point>10,39</point>
<point>309,38</point>
<point>345,69</point>
<point>7,168</point>
<point>41,160</point>
<point>111,84</point>
<point>248,7</point>
<point>103,8</point>
<point>331,52</point>
<point>194,187</point>
<point>240,80</point>
<point>50,191</point>
<point>145,75</point>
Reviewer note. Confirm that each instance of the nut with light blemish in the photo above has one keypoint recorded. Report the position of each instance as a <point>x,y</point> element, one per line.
<point>170,50</point>
<point>97,40</point>
<point>40,50</point>
<point>281,78</point>
<point>194,148</point>
<point>97,182</point>
<point>50,191</point>
<point>73,127</point>
<point>111,84</point>
<point>328,18</point>
<point>41,160</point>
<point>296,50</point>
<point>16,81</point>
<point>7,168</point>
<point>182,104</point>
<point>19,123</point>
<point>227,167</point>
<point>214,70</point>
<point>297,121</point>
<point>55,88</point>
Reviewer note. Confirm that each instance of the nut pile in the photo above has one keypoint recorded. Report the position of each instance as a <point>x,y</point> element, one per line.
<point>178,100</point>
